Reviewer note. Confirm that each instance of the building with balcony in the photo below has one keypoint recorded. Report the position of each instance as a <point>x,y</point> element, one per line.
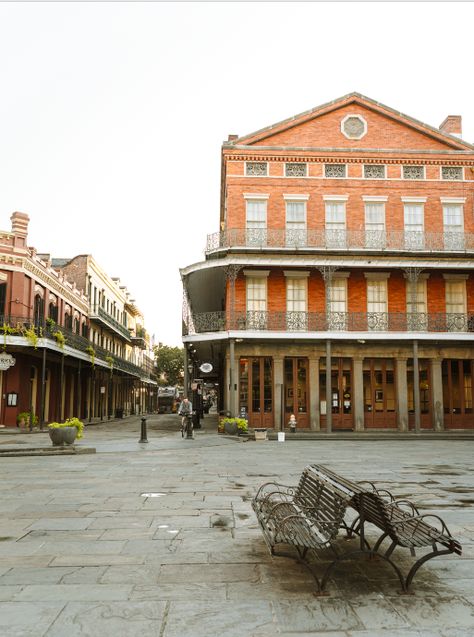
<point>64,356</point>
<point>340,287</point>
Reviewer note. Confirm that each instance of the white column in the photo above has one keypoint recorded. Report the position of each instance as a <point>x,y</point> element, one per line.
<point>278,380</point>
<point>437,395</point>
<point>402,394</point>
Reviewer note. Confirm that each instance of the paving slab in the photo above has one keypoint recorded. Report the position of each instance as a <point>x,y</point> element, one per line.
<point>84,552</point>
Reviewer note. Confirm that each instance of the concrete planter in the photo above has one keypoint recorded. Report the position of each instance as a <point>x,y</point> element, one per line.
<point>260,434</point>
<point>61,436</point>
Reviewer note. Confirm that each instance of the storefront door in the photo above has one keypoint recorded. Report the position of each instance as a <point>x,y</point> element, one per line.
<point>296,391</point>
<point>426,418</point>
<point>457,394</point>
<point>256,391</point>
<point>379,393</point>
<point>341,393</point>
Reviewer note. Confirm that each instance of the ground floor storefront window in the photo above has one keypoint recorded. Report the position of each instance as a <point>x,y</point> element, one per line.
<point>425,384</point>
<point>256,390</point>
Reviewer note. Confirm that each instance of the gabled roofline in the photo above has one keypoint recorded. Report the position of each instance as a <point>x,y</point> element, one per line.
<point>296,120</point>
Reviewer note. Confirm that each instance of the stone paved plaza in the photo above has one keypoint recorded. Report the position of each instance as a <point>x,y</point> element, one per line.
<point>84,551</point>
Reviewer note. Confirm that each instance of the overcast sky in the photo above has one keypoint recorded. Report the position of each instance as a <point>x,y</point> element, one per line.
<point>112,115</point>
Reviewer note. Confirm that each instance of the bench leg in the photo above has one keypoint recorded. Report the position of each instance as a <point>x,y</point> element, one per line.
<point>421,561</point>
<point>300,558</point>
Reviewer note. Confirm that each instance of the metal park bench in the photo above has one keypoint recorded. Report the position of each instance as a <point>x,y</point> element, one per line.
<point>400,523</point>
<point>308,517</point>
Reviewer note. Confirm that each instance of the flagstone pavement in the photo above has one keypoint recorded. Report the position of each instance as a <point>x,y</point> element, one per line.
<point>160,540</point>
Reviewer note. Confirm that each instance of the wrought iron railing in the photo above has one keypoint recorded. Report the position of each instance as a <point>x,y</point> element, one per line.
<point>26,326</point>
<point>96,310</point>
<point>374,240</point>
<point>331,322</point>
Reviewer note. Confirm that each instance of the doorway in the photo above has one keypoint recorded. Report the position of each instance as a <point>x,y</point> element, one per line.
<point>341,393</point>
<point>296,391</point>
<point>379,393</point>
<point>256,390</point>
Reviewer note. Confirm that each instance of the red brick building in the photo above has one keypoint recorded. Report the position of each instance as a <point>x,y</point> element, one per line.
<point>61,356</point>
<point>340,287</point>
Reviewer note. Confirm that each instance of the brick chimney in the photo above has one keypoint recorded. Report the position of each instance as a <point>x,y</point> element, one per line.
<point>452,125</point>
<point>20,222</point>
<point>232,138</point>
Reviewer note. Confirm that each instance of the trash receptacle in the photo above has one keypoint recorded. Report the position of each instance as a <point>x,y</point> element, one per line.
<point>119,413</point>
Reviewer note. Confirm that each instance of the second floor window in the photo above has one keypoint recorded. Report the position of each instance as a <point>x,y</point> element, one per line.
<point>377,305</point>
<point>256,294</point>
<point>335,223</point>
<point>296,222</point>
<point>374,224</point>
<point>455,305</point>
<point>414,225</point>
<point>453,226</point>
<point>256,214</point>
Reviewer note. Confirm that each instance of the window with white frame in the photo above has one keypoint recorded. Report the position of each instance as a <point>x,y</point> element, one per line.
<point>337,304</point>
<point>453,220</point>
<point>256,214</point>
<point>256,221</point>
<point>296,301</point>
<point>295,222</point>
<point>414,213</point>
<point>417,307</point>
<point>455,304</point>
<point>335,223</point>
<point>374,224</point>
<point>256,301</point>
<point>377,318</point>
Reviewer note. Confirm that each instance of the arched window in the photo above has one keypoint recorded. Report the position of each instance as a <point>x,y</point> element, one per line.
<point>39,310</point>
<point>67,317</point>
<point>53,308</point>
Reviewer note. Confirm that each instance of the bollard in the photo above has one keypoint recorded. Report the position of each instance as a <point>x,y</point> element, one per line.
<point>143,433</point>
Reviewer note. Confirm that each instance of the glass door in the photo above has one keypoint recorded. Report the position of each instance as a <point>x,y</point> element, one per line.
<point>256,390</point>
<point>341,393</point>
<point>379,393</point>
<point>457,394</point>
<point>296,391</point>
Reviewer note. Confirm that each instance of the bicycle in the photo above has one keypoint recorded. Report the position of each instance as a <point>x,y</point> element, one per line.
<point>187,426</point>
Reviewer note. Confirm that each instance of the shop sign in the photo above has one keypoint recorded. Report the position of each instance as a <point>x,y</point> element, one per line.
<point>206,368</point>
<point>6,361</point>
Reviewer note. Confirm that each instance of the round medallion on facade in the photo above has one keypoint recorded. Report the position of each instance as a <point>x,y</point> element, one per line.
<point>354,126</point>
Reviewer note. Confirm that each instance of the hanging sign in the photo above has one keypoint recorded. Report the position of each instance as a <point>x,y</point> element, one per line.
<point>206,368</point>
<point>6,361</point>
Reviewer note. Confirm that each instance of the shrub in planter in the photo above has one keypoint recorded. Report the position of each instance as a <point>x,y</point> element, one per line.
<point>66,432</point>
<point>23,419</point>
<point>234,426</point>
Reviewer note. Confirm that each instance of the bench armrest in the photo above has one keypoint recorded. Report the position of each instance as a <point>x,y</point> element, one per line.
<point>284,489</point>
<point>412,510</point>
<point>384,493</point>
<point>438,534</point>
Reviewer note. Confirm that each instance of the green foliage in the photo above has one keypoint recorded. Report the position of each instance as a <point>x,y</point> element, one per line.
<point>60,338</point>
<point>242,424</point>
<point>7,330</point>
<point>170,364</point>
<point>50,322</point>
<point>91,351</point>
<point>24,416</point>
<point>30,334</point>
<point>69,422</point>
<point>110,361</point>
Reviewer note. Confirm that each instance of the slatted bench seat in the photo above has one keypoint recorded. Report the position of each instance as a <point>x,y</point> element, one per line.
<point>306,517</point>
<point>399,521</point>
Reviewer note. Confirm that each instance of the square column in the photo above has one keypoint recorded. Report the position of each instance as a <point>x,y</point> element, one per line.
<point>314,398</point>
<point>358,395</point>
<point>402,395</point>
<point>437,394</point>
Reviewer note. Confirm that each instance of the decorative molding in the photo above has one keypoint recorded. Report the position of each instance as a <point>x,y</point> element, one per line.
<point>335,197</point>
<point>354,126</point>
<point>377,276</point>
<point>375,198</point>
<point>257,273</point>
<point>296,197</point>
<point>460,200</point>
<point>455,277</point>
<point>348,159</point>
<point>296,274</point>
<point>414,199</point>
<point>257,195</point>
<point>55,285</point>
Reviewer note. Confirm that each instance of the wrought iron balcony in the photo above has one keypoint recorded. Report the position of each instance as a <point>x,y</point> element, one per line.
<point>97,312</point>
<point>337,240</point>
<point>21,326</point>
<point>331,322</point>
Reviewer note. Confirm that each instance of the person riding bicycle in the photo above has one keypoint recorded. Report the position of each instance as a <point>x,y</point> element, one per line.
<point>185,409</point>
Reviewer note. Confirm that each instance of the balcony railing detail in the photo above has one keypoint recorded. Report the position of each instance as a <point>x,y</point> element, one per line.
<point>375,240</point>
<point>97,311</point>
<point>331,322</point>
<point>19,326</point>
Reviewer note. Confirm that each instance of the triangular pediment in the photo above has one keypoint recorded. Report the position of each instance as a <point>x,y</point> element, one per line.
<point>353,121</point>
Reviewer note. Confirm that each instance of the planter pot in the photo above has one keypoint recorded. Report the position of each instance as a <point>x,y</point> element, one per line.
<point>231,428</point>
<point>260,434</point>
<point>62,435</point>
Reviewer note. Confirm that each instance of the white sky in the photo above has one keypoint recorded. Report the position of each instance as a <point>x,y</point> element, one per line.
<point>112,115</point>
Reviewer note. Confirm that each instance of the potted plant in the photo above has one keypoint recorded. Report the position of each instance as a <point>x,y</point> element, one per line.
<point>23,419</point>
<point>233,426</point>
<point>60,338</point>
<point>91,351</point>
<point>65,433</point>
